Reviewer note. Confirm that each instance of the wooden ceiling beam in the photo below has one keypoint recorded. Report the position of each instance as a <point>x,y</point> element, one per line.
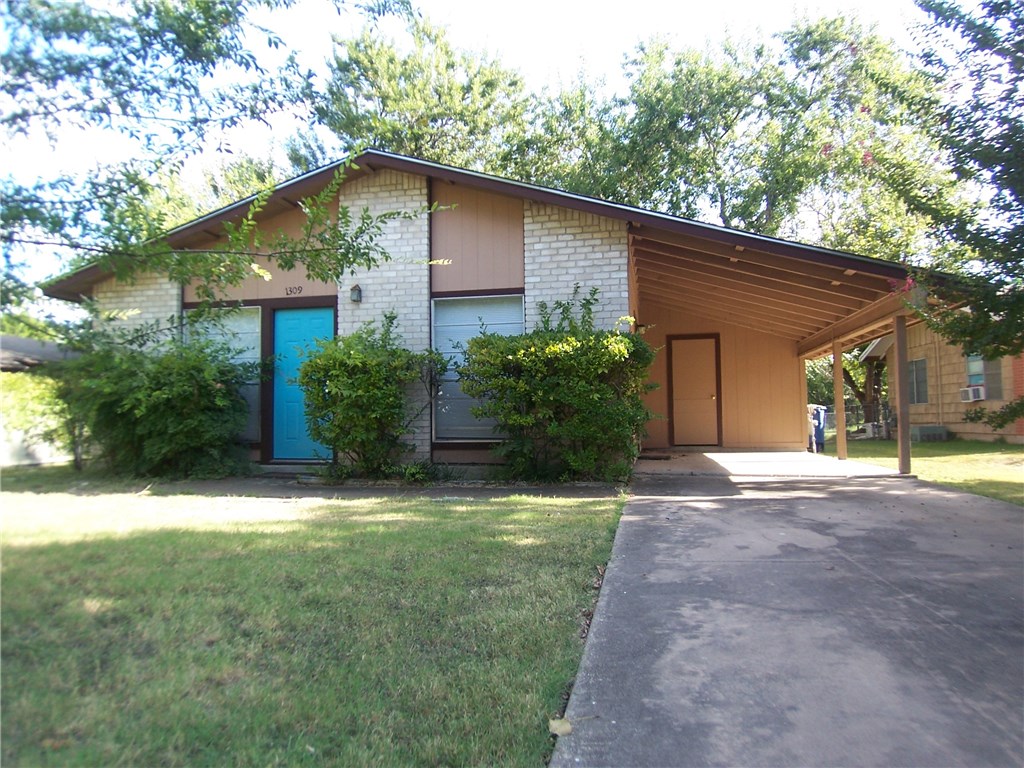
<point>709,287</point>
<point>848,276</point>
<point>761,318</point>
<point>695,295</point>
<point>736,320</point>
<point>735,283</point>
<point>856,324</point>
<point>756,272</point>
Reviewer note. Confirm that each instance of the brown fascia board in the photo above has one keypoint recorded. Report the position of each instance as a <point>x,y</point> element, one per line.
<point>285,194</point>
<point>75,286</point>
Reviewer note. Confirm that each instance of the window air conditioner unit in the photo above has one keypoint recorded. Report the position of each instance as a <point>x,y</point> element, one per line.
<point>971,394</point>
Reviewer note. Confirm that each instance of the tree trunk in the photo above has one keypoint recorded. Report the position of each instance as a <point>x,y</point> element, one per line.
<point>870,394</point>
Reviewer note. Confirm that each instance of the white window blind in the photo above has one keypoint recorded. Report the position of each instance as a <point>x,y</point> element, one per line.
<point>456,321</point>
<point>240,330</point>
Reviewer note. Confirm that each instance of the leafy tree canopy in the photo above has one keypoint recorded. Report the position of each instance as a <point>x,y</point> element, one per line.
<point>430,101</point>
<point>977,56</point>
<point>167,75</point>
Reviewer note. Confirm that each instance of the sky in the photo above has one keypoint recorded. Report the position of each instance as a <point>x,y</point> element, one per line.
<point>550,42</point>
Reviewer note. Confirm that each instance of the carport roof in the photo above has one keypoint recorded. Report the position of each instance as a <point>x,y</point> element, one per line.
<point>806,293</point>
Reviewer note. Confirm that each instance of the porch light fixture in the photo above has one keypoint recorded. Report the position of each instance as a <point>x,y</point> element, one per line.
<point>355,294</point>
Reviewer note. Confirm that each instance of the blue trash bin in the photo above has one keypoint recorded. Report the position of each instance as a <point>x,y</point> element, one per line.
<point>818,420</point>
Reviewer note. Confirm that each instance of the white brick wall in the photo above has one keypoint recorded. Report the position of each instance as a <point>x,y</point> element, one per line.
<point>565,247</point>
<point>402,284</point>
<point>150,297</point>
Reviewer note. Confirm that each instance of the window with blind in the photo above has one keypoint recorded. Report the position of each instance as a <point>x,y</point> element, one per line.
<point>455,322</point>
<point>240,330</point>
<point>988,373</point>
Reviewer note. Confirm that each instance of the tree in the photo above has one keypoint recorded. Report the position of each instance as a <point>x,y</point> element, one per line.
<point>168,76</point>
<point>978,58</point>
<point>747,136</point>
<point>432,102</point>
<point>176,198</point>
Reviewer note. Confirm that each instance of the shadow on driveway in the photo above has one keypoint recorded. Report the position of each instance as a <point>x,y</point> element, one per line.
<point>869,621</point>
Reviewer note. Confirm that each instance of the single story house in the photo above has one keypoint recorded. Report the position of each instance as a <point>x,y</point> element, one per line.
<point>944,382</point>
<point>734,314</point>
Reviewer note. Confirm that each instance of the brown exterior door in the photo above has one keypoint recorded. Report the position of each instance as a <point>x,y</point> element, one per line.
<point>695,391</point>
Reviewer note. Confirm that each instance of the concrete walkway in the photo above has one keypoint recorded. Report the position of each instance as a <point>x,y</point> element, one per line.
<point>683,462</point>
<point>867,621</point>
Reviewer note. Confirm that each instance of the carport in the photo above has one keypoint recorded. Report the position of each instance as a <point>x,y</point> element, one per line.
<point>749,311</point>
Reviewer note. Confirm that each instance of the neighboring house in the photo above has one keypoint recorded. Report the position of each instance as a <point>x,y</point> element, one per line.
<point>734,315</point>
<point>17,355</point>
<point>943,383</point>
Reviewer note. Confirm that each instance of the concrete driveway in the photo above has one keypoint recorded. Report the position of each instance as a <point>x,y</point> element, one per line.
<point>771,621</point>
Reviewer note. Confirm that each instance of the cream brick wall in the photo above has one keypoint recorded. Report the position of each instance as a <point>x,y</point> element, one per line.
<point>564,247</point>
<point>401,285</point>
<point>148,298</point>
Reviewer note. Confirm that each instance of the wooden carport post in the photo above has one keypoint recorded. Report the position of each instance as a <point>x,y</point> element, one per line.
<point>840,403</point>
<point>899,381</point>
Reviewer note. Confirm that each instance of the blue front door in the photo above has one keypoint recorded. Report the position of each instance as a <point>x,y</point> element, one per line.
<point>295,331</point>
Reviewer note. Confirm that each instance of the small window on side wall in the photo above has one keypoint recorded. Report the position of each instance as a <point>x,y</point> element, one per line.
<point>917,381</point>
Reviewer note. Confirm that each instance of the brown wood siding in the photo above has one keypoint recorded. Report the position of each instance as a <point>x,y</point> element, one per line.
<point>282,285</point>
<point>763,398</point>
<point>947,375</point>
<point>479,237</point>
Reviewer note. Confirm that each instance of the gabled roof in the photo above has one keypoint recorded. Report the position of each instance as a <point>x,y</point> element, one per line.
<point>288,194</point>
<point>807,293</point>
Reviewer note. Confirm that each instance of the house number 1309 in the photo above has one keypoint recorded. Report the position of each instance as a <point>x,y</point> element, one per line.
<point>292,290</point>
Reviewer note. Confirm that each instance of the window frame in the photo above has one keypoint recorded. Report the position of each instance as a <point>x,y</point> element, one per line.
<point>985,373</point>
<point>251,390</point>
<point>916,368</point>
<point>450,439</point>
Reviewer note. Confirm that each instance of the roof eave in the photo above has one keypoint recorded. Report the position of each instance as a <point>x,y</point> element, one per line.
<point>78,284</point>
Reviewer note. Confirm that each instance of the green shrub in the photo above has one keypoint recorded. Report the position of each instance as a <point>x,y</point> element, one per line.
<point>567,397</point>
<point>357,391</point>
<point>29,404</point>
<point>157,407</point>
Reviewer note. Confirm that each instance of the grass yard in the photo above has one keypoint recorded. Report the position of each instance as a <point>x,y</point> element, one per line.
<point>988,469</point>
<point>173,630</point>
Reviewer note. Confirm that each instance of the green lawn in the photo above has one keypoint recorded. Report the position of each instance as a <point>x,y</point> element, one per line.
<point>988,469</point>
<point>175,630</point>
